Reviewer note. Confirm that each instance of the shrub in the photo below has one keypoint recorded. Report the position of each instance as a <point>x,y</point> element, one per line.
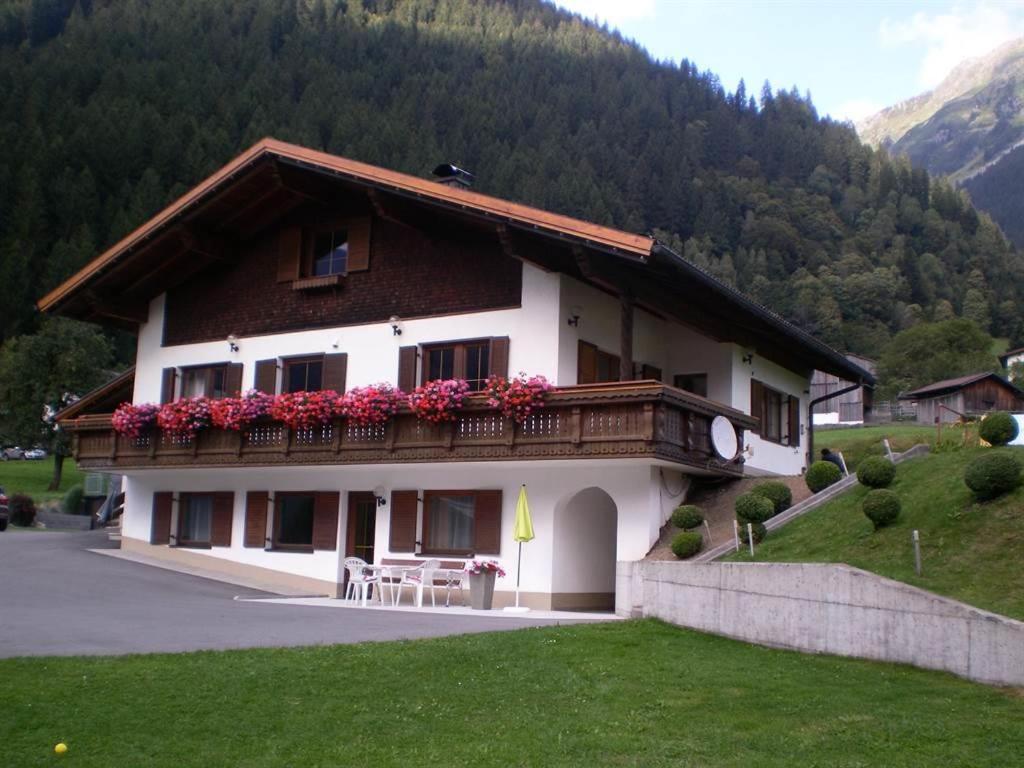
<point>22,510</point>
<point>876,472</point>
<point>998,428</point>
<point>882,507</point>
<point>822,474</point>
<point>776,492</point>
<point>752,508</point>
<point>72,503</point>
<point>759,533</point>
<point>687,516</point>
<point>992,475</point>
<point>687,544</point>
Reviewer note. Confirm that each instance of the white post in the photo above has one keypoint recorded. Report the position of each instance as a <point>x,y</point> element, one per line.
<point>917,552</point>
<point>888,450</point>
<point>736,533</point>
<point>846,472</point>
<point>707,529</point>
<point>750,538</point>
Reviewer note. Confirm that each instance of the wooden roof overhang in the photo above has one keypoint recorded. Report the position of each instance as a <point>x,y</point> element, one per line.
<point>211,222</point>
<point>102,400</point>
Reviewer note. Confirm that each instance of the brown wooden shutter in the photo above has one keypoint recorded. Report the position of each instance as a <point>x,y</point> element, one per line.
<point>266,376</point>
<point>289,254</point>
<point>160,533</point>
<point>335,368</point>
<point>325,520</point>
<point>256,519</point>
<point>402,537</point>
<point>757,403</point>
<point>649,372</point>
<point>586,363</point>
<point>223,512</point>
<point>233,379</point>
<point>794,420</point>
<point>358,245</point>
<point>499,356</point>
<point>170,375</point>
<point>487,523</point>
<point>407,368</point>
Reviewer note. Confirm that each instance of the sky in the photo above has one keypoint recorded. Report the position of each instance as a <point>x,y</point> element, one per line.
<point>855,57</point>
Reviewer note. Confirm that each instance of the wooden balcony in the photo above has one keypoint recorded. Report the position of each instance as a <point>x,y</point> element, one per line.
<point>636,420</point>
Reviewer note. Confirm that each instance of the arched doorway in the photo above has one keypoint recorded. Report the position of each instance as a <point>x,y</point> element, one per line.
<point>585,535</point>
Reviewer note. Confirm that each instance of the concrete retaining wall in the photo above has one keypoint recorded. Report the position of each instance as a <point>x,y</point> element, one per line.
<point>826,608</point>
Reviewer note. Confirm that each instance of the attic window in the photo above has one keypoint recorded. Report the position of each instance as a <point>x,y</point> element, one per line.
<point>330,253</point>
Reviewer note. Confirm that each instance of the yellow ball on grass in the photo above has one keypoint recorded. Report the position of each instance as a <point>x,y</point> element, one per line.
<point>61,748</point>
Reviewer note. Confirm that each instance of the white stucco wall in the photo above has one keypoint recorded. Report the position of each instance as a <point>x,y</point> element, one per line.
<point>639,497</point>
<point>372,349</point>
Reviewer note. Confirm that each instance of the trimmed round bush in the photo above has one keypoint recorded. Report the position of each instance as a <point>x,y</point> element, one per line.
<point>687,516</point>
<point>776,492</point>
<point>687,544</point>
<point>759,533</point>
<point>881,506</point>
<point>22,510</point>
<point>72,502</point>
<point>998,428</point>
<point>992,475</point>
<point>751,508</point>
<point>876,472</point>
<point>822,474</point>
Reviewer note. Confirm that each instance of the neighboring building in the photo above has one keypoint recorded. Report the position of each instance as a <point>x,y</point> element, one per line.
<point>1008,358</point>
<point>853,407</point>
<point>293,269</point>
<point>967,395</point>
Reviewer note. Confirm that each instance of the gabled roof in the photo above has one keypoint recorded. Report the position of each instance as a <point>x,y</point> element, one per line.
<point>952,385</point>
<point>141,265</point>
<point>1008,354</point>
<point>104,399</point>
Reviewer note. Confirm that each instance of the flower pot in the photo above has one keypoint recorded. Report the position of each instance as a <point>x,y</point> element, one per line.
<point>481,590</point>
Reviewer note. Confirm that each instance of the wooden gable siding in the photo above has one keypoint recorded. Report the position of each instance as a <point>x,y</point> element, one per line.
<point>409,275</point>
<point>975,398</point>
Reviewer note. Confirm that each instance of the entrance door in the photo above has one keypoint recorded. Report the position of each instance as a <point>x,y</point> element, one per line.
<point>362,524</point>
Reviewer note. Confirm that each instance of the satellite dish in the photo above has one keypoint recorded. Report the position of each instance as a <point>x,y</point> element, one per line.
<point>723,438</point>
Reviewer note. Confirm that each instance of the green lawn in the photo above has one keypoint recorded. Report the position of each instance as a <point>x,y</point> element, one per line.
<point>32,477</point>
<point>624,694</point>
<point>858,442</point>
<point>970,551</point>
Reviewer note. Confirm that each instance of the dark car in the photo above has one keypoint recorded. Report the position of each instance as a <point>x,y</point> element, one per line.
<point>4,513</point>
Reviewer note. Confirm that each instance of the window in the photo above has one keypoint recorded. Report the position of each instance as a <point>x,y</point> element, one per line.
<point>463,360</point>
<point>195,520</point>
<point>303,375</point>
<point>204,381</point>
<point>448,522</point>
<point>779,413</point>
<point>694,383</point>
<point>293,520</point>
<point>330,253</point>
<point>595,365</point>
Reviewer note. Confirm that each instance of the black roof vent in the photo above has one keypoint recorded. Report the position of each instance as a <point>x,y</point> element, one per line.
<point>453,176</point>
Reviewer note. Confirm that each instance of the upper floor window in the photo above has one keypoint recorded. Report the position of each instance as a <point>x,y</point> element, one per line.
<point>330,253</point>
<point>204,381</point>
<point>303,375</point>
<point>779,413</point>
<point>595,365</point>
<point>696,383</point>
<point>462,360</point>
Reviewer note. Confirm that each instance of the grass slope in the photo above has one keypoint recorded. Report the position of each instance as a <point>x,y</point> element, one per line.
<point>630,693</point>
<point>970,551</point>
<point>858,442</point>
<point>32,477</point>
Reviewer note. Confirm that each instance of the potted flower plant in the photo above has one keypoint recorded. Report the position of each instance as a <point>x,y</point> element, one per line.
<point>438,401</point>
<point>482,574</point>
<point>516,397</point>
<point>184,418</point>
<point>134,421</point>
<point>304,410</point>
<point>369,406</point>
<point>236,413</point>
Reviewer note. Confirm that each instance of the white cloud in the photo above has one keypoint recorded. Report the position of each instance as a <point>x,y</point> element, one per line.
<point>610,11</point>
<point>965,30</point>
<point>856,109</point>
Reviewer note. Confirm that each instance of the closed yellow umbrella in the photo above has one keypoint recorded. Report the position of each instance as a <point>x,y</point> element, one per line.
<point>521,531</point>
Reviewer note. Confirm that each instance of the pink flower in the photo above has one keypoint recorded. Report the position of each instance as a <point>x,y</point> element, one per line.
<point>134,420</point>
<point>302,410</point>
<point>517,397</point>
<point>185,417</point>
<point>438,401</point>
<point>367,406</point>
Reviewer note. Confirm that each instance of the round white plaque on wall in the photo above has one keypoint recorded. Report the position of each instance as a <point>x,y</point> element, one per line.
<point>723,438</point>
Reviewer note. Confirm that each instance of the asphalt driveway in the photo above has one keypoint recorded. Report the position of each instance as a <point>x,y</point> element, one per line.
<point>57,598</point>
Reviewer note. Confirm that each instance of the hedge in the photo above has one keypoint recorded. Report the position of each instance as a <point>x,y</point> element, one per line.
<point>822,474</point>
<point>776,492</point>
<point>876,472</point>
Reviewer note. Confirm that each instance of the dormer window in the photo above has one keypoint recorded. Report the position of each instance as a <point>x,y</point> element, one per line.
<point>330,253</point>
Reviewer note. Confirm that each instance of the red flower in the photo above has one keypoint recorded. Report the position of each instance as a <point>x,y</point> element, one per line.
<point>302,410</point>
<point>517,397</point>
<point>439,400</point>
<point>366,406</point>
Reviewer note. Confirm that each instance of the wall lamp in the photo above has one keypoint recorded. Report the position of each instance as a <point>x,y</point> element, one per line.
<point>378,494</point>
<point>574,316</point>
<point>396,325</point>
<point>749,358</point>
<point>232,342</point>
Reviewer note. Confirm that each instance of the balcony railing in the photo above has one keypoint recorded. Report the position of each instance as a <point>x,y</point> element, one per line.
<point>619,420</point>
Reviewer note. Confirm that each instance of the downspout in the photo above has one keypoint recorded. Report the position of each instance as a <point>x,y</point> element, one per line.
<point>810,416</point>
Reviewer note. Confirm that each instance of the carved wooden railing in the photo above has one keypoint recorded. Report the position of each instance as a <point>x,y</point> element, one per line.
<point>627,420</point>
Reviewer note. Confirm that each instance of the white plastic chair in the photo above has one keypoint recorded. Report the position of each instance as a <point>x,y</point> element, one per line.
<point>359,580</point>
<point>418,578</point>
